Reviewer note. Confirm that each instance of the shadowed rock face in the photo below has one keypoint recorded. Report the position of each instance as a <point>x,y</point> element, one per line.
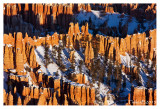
<point>31,86</point>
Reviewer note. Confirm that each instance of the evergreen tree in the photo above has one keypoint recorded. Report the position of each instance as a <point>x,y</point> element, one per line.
<point>114,55</point>
<point>118,86</point>
<point>131,75</point>
<point>149,83</point>
<point>124,83</point>
<point>102,74</point>
<point>76,45</point>
<point>95,31</point>
<point>97,68</point>
<point>59,56</point>
<point>109,73</point>
<point>133,53</point>
<point>147,57</point>
<point>62,66</point>
<point>120,27</point>
<point>64,41</point>
<point>73,62</point>
<point>57,73</point>
<point>68,45</point>
<point>90,20</point>
<point>139,58</point>
<point>80,66</point>
<point>118,75</point>
<point>46,55</point>
<point>73,77</point>
<point>92,69</point>
<point>59,59</point>
<point>53,52</point>
<point>154,77</point>
<point>153,67</point>
<point>137,76</point>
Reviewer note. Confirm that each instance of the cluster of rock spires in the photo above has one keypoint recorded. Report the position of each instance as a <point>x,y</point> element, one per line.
<point>139,11</point>
<point>142,96</point>
<point>59,93</point>
<point>41,89</point>
<point>51,15</point>
<point>21,51</point>
<point>132,44</point>
<point>46,15</point>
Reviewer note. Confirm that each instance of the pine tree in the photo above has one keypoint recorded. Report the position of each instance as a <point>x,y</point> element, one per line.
<point>109,73</point>
<point>114,55</point>
<point>95,50</point>
<point>139,58</point>
<point>64,41</point>
<point>102,74</point>
<point>59,61</point>
<point>133,53</point>
<point>118,76</point>
<point>53,52</point>
<point>68,45</point>
<point>149,83</point>
<point>90,21</point>
<point>73,62</point>
<point>62,66</point>
<point>153,67</point>
<point>154,77</point>
<point>131,75</point>
<point>73,77</point>
<point>118,86</point>
<point>147,57</point>
<point>76,45</point>
<point>106,56</point>
<point>92,68</point>
<point>137,76</point>
<point>57,73</point>
<point>120,27</point>
<point>124,83</point>
<point>80,66</point>
<point>46,55</point>
<point>117,71</point>
<point>97,68</point>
